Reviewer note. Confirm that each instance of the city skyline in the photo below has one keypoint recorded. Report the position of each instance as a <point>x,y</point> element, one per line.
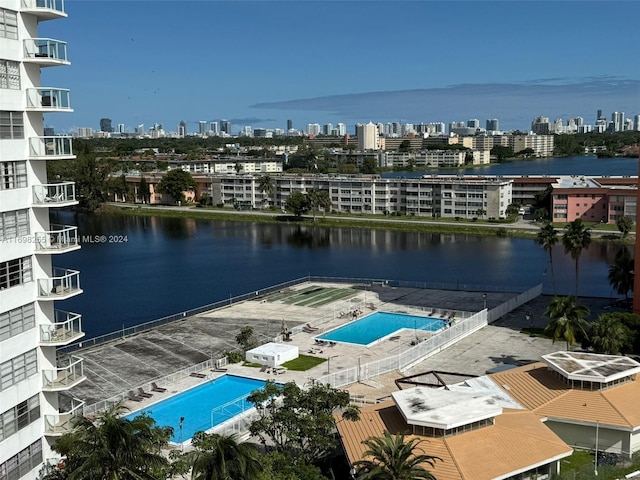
<point>263,63</point>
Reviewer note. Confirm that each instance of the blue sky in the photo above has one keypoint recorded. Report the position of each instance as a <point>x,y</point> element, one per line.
<point>261,63</point>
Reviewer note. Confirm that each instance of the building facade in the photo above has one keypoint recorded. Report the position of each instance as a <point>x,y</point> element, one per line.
<point>34,411</point>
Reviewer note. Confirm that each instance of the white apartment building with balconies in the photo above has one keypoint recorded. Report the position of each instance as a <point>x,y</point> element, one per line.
<point>31,379</point>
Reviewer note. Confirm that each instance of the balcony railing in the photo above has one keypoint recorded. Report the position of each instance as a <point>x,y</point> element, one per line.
<point>61,239</point>
<point>64,377</point>
<point>61,285</point>
<point>54,195</point>
<point>48,99</point>
<point>44,9</point>
<point>58,425</point>
<point>66,329</point>
<point>45,51</point>
<point>51,148</point>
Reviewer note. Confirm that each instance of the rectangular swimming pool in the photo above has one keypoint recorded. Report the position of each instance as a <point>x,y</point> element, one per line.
<point>379,325</point>
<point>202,407</point>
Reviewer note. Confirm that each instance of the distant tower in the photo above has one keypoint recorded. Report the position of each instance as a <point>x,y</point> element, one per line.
<point>367,136</point>
<point>225,126</point>
<point>493,125</point>
<point>599,115</point>
<point>289,124</point>
<point>213,128</point>
<point>473,123</point>
<point>618,121</point>
<point>182,129</point>
<point>121,128</point>
<point>105,125</point>
<point>202,127</point>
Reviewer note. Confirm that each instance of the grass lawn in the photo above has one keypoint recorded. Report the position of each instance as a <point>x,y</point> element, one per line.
<point>251,364</point>
<point>576,461</point>
<point>303,363</point>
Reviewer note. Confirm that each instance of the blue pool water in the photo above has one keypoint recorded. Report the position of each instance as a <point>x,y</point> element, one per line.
<point>197,404</point>
<point>379,325</point>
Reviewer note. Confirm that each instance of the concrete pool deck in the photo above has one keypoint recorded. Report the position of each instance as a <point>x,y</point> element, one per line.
<point>125,364</point>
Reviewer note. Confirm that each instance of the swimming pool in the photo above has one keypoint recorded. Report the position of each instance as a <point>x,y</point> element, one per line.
<point>202,407</point>
<point>379,325</point>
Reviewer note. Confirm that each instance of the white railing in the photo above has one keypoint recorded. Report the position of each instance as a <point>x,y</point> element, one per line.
<point>63,283</point>
<point>57,5</point>
<point>230,410</point>
<point>513,303</point>
<point>56,425</point>
<point>64,377</point>
<point>54,193</point>
<point>45,49</point>
<point>48,99</point>
<point>61,238</point>
<point>48,148</point>
<point>67,328</point>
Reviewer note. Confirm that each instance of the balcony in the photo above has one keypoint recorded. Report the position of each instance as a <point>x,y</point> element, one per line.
<point>58,425</point>
<point>55,195</point>
<point>61,239</point>
<point>44,9</point>
<point>51,148</point>
<point>66,329</point>
<point>61,285</point>
<point>45,52</point>
<point>64,377</point>
<point>48,100</point>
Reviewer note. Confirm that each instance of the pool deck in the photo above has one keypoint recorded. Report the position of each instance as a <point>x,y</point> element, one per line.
<point>126,364</point>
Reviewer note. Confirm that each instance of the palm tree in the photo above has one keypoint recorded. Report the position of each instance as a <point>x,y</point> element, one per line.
<point>609,335</point>
<point>547,237</point>
<point>393,458</point>
<point>576,237</point>
<point>113,447</point>
<point>621,273</point>
<point>266,186</point>
<point>221,457</point>
<point>567,317</point>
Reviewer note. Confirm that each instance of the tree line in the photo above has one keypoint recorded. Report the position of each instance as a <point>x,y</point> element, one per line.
<point>610,333</point>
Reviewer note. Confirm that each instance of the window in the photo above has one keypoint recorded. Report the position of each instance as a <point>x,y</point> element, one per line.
<point>14,224</point>
<point>13,175</point>
<point>8,24</point>
<point>11,124</point>
<point>19,417</point>
<point>9,74</point>
<point>22,463</point>
<point>16,321</point>
<point>18,368</point>
<point>15,272</point>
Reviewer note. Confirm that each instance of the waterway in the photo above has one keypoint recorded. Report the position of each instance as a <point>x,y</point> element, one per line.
<point>576,165</point>
<point>158,266</point>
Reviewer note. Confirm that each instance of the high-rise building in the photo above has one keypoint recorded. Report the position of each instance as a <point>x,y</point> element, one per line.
<point>105,125</point>
<point>599,115</point>
<point>121,128</point>
<point>313,129</point>
<point>367,136</point>
<point>182,129</point>
<point>541,125</point>
<point>213,128</point>
<point>140,129</point>
<point>32,379</point>
<point>492,125</point>
<point>618,121</point>
<point>473,123</point>
<point>289,124</point>
<point>225,126</point>
<point>636,123</point>
<point>342,129</point>
<point>202,127</point>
